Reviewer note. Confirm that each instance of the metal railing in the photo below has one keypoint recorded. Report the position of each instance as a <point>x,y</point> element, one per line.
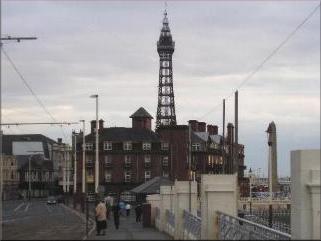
<point>192,226</point>
<point>284,200</point>
<point>234,228</point>
<point>280,218</point>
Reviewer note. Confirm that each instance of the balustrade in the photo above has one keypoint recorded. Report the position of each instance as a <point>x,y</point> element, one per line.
<point>234,228</point>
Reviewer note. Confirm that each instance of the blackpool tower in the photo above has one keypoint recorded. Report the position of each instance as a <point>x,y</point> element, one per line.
<point>166,104</point>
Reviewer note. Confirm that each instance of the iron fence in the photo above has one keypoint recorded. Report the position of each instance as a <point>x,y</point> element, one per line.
<point>234,228</point>
<point>280,218</point>
<point>192,226</point>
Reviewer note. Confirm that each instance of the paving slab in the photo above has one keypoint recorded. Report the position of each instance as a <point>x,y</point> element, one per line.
<point>129,230</point>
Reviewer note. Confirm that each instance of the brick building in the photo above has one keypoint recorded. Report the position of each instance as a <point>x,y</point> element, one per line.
<point>127,156</point>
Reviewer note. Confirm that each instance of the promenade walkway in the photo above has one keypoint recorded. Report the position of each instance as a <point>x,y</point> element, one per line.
<point>129,230</point>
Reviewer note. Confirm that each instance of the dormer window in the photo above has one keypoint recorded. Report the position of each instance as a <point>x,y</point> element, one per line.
<point>164,146</point>
<point>196,147</point>
<point>89,146</point>
<point>108,146</point>
<point>147,146</point>
<point>127,146</point>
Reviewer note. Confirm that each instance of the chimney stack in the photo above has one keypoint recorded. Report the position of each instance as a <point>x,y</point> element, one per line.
<point>92,126</point>
<point>230,133</point>
<point>201,126</point>
<point>194,125</point>
<point>101,125</point>
<point>212,129</point>
<point>59,140</point>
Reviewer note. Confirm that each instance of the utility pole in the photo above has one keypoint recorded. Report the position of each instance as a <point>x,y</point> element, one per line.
<point>189,166</point>
<point>83,158</point>
<point>236,123</point>
<point>97,147</point>
<point>75,161</point>
<point>223,152</point>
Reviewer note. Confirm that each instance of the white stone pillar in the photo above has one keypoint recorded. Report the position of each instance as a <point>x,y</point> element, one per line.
<point>218,193</point>
<point>305,191</point>
<point>166,195</point>
<point>184,195</point>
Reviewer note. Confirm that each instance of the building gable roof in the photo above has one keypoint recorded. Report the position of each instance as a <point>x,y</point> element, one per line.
<point>141,113</point>
<point>120,134</point>
<point>153,185</point>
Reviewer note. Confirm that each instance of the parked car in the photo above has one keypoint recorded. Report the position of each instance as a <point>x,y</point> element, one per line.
<point>51,200</point>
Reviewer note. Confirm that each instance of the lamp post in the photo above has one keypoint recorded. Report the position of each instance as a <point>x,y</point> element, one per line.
<point>29,171</point>
<point>96,162</point>
<point>75,161</point>
<point>83,158</point>
<point>250,177</point>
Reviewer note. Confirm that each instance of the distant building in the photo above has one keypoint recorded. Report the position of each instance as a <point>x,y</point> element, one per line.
<point>39,149</point>
<point>62,156</point>
<point>10,177</point>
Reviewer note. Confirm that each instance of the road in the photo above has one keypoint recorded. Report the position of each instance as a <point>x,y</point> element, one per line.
<point>35,220</point>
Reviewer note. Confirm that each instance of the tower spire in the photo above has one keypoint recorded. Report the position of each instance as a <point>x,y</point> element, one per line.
<point>166,105</point>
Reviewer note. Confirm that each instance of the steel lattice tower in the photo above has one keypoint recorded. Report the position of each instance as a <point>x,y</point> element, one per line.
<point>166,105</point>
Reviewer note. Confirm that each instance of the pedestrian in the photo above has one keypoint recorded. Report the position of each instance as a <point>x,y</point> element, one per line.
<point>127,209</point>
<point>116,214</point>
<point>138,211</point>
<point>101,223</point>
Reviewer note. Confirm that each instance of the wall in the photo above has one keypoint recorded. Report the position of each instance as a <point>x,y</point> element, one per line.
<point>305,187</point>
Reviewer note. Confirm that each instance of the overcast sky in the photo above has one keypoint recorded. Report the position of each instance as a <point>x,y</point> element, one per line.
<point>109,48</point>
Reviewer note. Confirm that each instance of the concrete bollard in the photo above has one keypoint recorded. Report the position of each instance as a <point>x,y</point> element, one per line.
<point>305,188</point>
<point>218,193</point>
<point>184,195</point>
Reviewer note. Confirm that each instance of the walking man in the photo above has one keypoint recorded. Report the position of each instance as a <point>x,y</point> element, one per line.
<point>138,211</point>
<point>101,223</point>
<point>127,209</point>
<point>116,214</point>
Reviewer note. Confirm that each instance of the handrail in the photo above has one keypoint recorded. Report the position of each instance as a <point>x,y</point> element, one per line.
<point>242,221</point>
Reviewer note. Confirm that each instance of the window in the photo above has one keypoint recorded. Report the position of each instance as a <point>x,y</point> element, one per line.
<point>165,174</point>
<point>108,160</point>
<point>165,161</point>
<point>147,159</point>
<point>127,159</point>
<point>89,146</point>
<point>147,175</point>
<point>107,176</point>
<point>196,147</point>
<point>108,145</point>
<point>147,146</point>
<point>127,146</point>
<point>127,176</point>
<point>164,146</point>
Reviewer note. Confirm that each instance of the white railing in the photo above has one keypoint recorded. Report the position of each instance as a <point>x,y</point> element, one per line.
<point>170,223</point>
<point>265,200</point>
<point>234,228</point>
<point>192,226</point>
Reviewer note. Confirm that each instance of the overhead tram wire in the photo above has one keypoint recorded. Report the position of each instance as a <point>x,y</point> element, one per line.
<point>30,89</point>
<point>288,37</point>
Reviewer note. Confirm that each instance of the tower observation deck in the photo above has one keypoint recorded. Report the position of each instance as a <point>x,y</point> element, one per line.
<point>166,104</point>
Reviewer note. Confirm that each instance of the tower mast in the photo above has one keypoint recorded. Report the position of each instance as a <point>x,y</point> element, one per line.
<point>166,104</point>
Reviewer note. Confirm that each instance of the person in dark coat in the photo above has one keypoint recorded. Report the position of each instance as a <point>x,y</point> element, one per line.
<point>138,211</point>
<point>116,215</point>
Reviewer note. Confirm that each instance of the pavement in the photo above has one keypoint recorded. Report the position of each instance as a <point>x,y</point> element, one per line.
<point>129,230</point>
<point>35,220</point>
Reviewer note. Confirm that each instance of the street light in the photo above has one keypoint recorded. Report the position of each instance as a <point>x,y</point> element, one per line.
<point>250,177</point>
<point>29,171</point>
<point>75,161</point>
<point>83,158</point>
<point>96,162</point>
